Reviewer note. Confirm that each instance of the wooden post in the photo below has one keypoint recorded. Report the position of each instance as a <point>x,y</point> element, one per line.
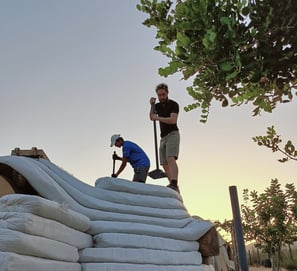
<point>238,232</point>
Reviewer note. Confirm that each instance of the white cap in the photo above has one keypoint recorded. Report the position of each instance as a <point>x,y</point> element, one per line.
<point>113,139</point>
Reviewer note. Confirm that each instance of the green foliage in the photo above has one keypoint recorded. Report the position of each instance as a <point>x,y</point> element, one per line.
<point>270,218</point>
<point>235,52</point>
<point>272,141</point>
<point>224,228</point>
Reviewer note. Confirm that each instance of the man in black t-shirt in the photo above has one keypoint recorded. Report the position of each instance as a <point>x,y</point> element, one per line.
<point>166,112</point>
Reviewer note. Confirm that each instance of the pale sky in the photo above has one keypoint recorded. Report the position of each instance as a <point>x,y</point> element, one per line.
<point>74,72</point>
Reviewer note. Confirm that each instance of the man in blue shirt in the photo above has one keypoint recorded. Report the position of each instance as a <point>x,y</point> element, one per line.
<point>133,154</point>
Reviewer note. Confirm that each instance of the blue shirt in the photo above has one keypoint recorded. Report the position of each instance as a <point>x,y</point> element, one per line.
<point>135,155</point>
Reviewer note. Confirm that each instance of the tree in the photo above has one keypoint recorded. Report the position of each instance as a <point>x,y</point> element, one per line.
<point>271,219</point>
<point>235,52</point>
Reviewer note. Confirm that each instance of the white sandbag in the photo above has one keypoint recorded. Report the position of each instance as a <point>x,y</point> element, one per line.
<point>191,232</point>
<point>60,195</point>
<point>48,188</point>
<point>143,267</point>
<point>98,215</point>
<point>165,222</point>
<point>44,208</point>
<point>103,240</point>
<point>98,204</point>
<point>84,199</point>
<point>40,181</point>
<point>25,244</point>
<point>129,197</point>
<point>123,185</point>
<point>51,188</point>
<point>139,255</point>
<point>15,262</point>
<point>40,226</point>
<point>27,204</point>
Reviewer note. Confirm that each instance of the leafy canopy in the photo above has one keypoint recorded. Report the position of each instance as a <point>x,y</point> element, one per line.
<point>234,51</point>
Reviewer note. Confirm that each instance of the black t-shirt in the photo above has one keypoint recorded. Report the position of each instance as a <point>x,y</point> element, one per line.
<point>164,110</point>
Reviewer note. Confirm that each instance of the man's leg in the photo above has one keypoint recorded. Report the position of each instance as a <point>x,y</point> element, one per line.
<point>167,171</point>
<point>163,158</point>
<point>172,151</point>
<point>173,168</point>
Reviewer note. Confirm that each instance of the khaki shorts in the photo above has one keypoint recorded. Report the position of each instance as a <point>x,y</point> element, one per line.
<point>169,147</point>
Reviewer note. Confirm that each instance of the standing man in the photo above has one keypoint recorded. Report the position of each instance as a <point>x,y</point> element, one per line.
<point>166,112</point>
<point>133,154</point>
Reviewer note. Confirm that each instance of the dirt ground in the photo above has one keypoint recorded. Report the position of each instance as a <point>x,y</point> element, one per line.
<point>262,268</point>
<point>258,268</point>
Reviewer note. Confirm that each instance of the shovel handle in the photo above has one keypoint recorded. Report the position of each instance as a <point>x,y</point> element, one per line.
<point>113,164</point>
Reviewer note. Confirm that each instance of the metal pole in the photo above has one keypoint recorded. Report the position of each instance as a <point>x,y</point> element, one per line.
<point>242,259</point>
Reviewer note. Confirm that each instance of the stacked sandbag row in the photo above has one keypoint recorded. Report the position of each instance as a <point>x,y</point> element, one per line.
<point>38,234</point>
<point>159,238</point>
<point>136,226</point>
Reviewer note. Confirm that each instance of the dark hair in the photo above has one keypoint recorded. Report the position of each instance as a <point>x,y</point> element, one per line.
<point>120,138</point>
<point>162,86</point>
